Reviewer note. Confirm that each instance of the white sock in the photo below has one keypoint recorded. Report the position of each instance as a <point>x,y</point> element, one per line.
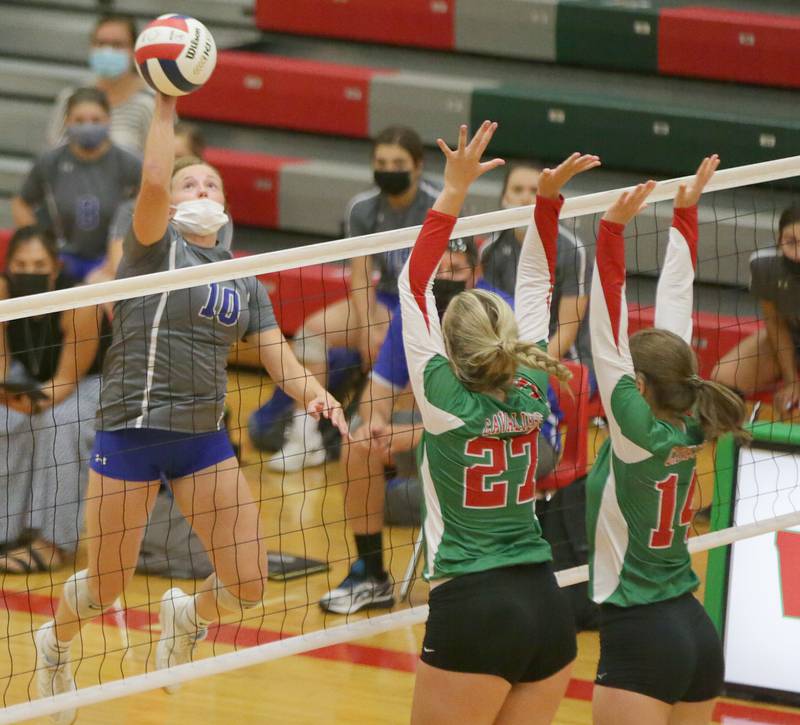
<point>54,649</point>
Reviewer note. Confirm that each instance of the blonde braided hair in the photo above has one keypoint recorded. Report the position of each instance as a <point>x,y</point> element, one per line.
<point>482,342</point>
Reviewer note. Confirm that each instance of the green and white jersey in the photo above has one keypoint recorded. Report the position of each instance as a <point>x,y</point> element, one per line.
<point>478,454</point>
<point>639,492</point>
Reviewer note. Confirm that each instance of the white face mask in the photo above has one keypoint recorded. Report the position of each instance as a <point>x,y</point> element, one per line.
<point>199,216</point>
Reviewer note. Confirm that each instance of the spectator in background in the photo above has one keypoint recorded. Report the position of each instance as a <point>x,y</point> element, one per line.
<point>75,189</point>
<point>130,99</point>
<point>770,356</point>
<point>189,141</point>
<point>50,391</point>
<point>500,252</point>
<point>401,198</point>
<point>385,436</point>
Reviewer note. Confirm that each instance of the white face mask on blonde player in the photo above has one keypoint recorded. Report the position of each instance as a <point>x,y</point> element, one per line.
<point>199,216</point>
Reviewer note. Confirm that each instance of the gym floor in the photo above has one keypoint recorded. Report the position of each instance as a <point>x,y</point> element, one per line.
<point>367,681</point>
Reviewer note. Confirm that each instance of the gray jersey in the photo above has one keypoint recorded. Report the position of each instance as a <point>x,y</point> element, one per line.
<point>775,279</point>
<point>123,221</point>
<point>370,212</point>
<point>500,258</point>
<point>76,199</point>
<point>166,364</point>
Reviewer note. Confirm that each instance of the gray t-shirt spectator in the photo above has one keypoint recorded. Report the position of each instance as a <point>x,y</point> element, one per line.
<point>500,257</point>
<point>76,199</point>
<point>130,119</point>
<point>123,221</point>
<point>775,279</point>
<point>166,366</point>
<point>370,212</point>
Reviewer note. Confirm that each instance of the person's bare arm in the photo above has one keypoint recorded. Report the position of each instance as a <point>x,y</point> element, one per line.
<point>780,337</point>
<point>571,311</point>
<point>81,330</point>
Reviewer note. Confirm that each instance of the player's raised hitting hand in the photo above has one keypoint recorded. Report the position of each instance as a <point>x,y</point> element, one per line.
<point>689,194</point>
<point>630,203</point>
<point>552,181</point>
<point>464,163</point>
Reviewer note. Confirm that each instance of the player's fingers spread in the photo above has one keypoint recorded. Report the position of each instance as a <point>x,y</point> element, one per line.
<point>462,137</point>
<point>444,147</point>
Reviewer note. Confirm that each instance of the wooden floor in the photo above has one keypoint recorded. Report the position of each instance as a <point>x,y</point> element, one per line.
<point>369,681</point>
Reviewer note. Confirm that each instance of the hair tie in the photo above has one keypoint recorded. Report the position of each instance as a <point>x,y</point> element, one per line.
<point>695,381</point>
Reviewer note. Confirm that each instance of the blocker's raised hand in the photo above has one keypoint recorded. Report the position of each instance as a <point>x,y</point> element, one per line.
<point>464,162</point>
<point>630,203</point>
<point>551,181</point>
<point>689,194</point>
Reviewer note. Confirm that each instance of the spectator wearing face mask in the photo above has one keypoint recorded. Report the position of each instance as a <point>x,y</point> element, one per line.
<point>131,101</point>
<point>400,198</point>
<point>48,395</point>
<point>74,190</point>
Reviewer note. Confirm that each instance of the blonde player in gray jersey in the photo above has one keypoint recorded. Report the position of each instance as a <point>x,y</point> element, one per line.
<point>160,416</point>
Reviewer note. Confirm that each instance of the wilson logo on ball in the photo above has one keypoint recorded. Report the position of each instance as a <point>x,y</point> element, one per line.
<point>175,54</point>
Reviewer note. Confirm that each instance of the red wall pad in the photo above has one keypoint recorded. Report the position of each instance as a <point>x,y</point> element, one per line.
<point>426,23</point>
<point>727,45</point>
<point>252,184</point>
<point>302,95</point>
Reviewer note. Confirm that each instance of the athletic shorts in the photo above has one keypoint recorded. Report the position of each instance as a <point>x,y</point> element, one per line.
<point>511,622</point>
<point>149,454</point>
<point>77,267</point>
<point>668,650</point>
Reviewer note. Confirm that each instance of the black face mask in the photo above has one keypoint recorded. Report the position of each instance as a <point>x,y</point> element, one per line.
<point>20,285</point>
<point>393,182</point>
<point>444,290</point>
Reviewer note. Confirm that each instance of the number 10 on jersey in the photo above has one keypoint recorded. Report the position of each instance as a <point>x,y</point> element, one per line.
<point>482,494</point>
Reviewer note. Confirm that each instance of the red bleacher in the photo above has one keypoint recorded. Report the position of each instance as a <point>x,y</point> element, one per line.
<point>747,47</point>
<point>426,23</point>
<point>303,95</point>
<point>252,183</point>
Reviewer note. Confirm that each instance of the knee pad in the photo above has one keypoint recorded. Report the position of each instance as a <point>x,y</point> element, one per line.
<point>78,598</point>
<point>310,346</point>
<point>230,601</point>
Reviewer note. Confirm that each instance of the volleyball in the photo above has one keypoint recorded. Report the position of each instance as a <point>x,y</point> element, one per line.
<point>175,54</point>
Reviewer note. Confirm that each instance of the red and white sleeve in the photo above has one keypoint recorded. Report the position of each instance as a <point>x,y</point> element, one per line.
<point>536,272</point>
<point>674,294</point>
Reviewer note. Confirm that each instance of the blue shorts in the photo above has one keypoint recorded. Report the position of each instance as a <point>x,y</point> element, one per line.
<point>390,301</point>
<point>149,454</point>
<point>77,267</point>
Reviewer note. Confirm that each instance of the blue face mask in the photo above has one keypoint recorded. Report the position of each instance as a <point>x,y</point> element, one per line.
<point>108,62</point>
<point>88,135</point>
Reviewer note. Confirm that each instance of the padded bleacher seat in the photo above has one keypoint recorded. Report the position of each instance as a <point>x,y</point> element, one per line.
<point>714,335</point>
<point>298,293</point>
<point>747,47</point>
<point>628,131</point>
<point>5,238</point>
<point>574,428</point>
<point>263,90</point>
<point>252,184</point>
<point>426,23</point>
<point>608,35</point>
<point>516,28</point>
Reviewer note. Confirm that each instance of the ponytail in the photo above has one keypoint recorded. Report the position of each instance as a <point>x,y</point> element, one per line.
<point>483,345</point>
<point>720,410</point>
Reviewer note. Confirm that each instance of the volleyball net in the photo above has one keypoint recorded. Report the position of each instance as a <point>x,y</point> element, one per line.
<point>45,461</point>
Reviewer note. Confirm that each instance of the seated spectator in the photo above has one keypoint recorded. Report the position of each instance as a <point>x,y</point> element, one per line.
<point>569,333</point>
<point>385,437</point>
<point>770,356</point>
<point>50,365</point>
<point>75,189</point>
<point>130,99</point>
<point>401,198</point>
<point>189,142</point>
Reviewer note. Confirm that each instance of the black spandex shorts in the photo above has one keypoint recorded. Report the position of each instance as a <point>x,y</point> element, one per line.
<point>512,622</point>
<point>668,650</point>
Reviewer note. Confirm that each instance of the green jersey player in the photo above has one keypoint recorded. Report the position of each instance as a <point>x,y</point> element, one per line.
<point>660,657</point>
<point>499,640</point>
